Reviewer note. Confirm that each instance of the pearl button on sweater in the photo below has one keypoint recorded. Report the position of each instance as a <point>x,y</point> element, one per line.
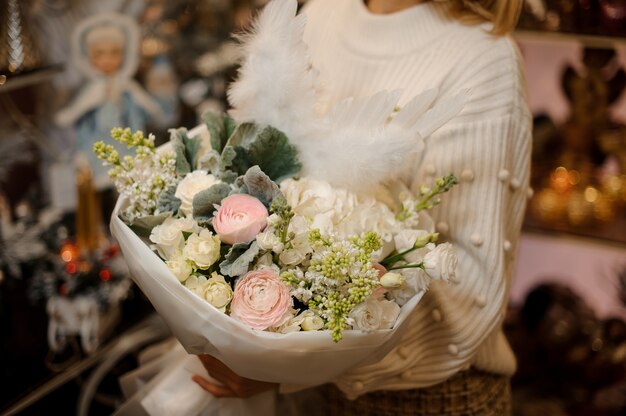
<point>358,53</point>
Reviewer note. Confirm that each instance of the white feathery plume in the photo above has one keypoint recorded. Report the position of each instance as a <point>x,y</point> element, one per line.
<point>276,84</point>
<point>359,142</point>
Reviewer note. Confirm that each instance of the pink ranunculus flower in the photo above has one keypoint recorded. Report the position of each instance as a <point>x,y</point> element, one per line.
<point>261,300</point>
<point>240,218</point>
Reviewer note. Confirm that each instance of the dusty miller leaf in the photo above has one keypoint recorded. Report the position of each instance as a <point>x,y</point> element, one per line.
<point>220,127</point>
<point>260,186</point>
<point>243,135</point>
<point>204,201</point>
<point>271,151</point>
<point>227,176</point>
<point>210,161</point>
<point>227,156</point>
<point>237,261</point>
<point>143,226</point>
<point>167,201</point>
<point>186,149</point>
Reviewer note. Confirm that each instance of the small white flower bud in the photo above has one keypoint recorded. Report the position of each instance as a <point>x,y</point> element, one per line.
<point>391,280</point>
<point>425,238</point>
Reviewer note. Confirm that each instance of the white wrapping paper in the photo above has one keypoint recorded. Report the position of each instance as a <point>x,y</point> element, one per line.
<point>163,387</point>
<point>303,358</point>
<point>297,359</point>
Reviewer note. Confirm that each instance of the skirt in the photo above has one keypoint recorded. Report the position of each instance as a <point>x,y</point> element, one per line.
<point>468,393</point>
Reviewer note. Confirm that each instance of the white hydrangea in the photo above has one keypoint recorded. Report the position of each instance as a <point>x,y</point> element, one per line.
<point>337,211</point>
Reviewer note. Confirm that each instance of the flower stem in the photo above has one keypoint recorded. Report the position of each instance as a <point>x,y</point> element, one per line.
<point>398,257</point>
<point>442,185</point>
<point>408,266</point>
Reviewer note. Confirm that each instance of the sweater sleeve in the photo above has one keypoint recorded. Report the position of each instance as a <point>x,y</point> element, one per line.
<point>488,148</point>
<point>482,218</point>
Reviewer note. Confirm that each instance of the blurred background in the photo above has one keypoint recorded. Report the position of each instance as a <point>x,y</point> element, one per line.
<point>71,320</point>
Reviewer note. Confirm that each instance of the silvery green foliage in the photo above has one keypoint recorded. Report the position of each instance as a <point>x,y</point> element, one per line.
<point>220,127</point>
<point>238,259</point>
<point>248,145</point>
<point>259,185</point>
<point>269,149</point>
<point>187,150</point>
<point>167,202</point>
<point>143,226</point>
<point>204,202</point>
<point>210,161</point>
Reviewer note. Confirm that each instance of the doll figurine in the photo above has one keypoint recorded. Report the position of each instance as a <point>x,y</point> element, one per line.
<point>105,51</point>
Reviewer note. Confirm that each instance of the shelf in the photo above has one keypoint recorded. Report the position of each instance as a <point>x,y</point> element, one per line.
<point>613,233</point>
<point>593,41</point>
<point>25,79</point>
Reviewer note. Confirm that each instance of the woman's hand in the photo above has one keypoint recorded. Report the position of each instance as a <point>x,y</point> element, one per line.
<point>233,384</point>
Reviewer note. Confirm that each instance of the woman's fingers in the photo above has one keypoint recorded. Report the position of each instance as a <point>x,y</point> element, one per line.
<point>215,389</point>
<point>231,384</point>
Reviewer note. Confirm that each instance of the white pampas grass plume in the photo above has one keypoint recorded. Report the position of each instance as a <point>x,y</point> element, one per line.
<point>356,144</point>
<point>363,144</point>
<point>276,84</point>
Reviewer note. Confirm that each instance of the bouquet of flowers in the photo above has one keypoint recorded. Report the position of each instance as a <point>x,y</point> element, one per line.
<point>299,256</point>
<point>262,248</point>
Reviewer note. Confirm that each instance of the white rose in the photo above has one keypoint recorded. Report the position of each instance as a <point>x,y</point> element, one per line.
<point>179,266</point>
<point>187,225</point>
<point>167,238</point>
<point>391,280</point>
<point>441,262</point>
<point>195,283</point>
<point>214,290</point>
<point>269,241</point>
<point>218,292</point>
<point>310,197</point>
<point>191,184</point>
<point>312,322</point>
<point>375,314</point>
<point>203,249</point>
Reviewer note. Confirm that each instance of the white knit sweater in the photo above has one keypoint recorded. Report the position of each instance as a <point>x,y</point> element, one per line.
<point>488,147</point>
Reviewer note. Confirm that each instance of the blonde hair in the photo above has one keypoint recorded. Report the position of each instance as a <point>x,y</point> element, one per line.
<point>503,14</point>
